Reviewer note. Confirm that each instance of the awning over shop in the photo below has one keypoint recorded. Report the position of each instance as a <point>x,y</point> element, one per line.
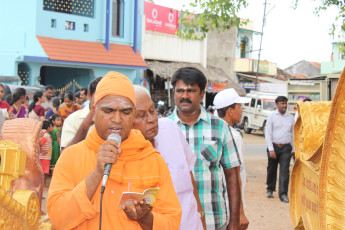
<point>9,79</point>
<point>216,77</point>
<point>260,78</point>
<point>90,52</point>
<point>30,90</point>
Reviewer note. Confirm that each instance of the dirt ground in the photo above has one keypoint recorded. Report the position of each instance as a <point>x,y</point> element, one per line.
<point>263,213</point>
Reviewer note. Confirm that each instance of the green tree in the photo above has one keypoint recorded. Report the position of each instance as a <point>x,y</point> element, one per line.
<point>200,16</point>
<point>339,19</point>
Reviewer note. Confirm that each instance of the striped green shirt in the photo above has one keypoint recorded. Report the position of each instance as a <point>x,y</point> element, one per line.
<point>211,142</point>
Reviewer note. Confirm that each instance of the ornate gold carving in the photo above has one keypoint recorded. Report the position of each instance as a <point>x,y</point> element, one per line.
<point>26,133</point>
<point>317,181</point>
<point>332,180</point>
<point>22,209</point>
<point>12,165</point>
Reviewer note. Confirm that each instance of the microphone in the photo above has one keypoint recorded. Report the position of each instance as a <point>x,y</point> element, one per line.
<point>117,138</point>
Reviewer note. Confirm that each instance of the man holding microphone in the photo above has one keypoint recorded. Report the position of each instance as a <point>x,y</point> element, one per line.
<point>75,192</point>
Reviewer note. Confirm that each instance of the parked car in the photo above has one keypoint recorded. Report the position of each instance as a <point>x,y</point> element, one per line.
<point>256,112</point>
<point>30,90</point>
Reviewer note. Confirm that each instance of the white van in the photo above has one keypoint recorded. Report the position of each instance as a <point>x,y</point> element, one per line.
<point>256,112</point>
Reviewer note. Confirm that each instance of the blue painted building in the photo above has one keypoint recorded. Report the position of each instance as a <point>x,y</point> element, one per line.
<point>57,41</point>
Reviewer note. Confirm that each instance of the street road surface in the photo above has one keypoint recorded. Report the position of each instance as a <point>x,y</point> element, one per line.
<point>263,213</point>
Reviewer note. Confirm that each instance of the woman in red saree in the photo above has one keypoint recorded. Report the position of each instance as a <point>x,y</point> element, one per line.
<point>69,107</point>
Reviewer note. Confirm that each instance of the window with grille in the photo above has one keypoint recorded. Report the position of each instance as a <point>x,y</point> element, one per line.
<point>244,42</point>
<point>117,18</point>
<point>76,7</point>
<point>53,23</point>
<point>69,25</point>
<point>23,73</point>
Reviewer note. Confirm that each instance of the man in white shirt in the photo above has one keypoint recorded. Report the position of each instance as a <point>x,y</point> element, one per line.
<point>80,123</point>
<point>168,139</point>
<point>84,97</point>
<point>279,139</point>
<point>228,105</point>
<point>49,94</point>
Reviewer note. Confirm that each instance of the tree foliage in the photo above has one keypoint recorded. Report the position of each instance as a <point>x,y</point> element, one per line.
<point>200,16</point>
<point>339,19</point>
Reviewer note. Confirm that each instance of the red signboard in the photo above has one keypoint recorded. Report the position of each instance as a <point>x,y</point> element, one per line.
<point>161,19</point>
<point>215,87</point>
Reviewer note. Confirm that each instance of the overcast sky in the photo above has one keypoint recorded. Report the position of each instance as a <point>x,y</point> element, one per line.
<point>289,35</point>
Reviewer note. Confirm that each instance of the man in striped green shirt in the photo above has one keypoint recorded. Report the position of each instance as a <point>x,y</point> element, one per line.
<point>215,169</point>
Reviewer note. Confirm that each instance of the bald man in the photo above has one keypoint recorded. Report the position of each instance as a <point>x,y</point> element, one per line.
<point>75,190</point>
<point>177,154</point>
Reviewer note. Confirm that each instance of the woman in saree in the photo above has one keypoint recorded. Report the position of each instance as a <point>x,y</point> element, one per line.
<point>55,109</point>
<point>69,107</point>
<point>17,109</point>
<point>36,111</point>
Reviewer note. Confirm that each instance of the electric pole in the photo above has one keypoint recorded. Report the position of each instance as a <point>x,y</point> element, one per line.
<point>262,31</point>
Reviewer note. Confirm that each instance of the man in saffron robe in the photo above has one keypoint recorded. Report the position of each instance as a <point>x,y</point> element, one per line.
<point>74,193</point>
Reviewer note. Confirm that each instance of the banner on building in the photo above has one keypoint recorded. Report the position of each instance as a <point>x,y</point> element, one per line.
<point>280,88</point>
<point>263,66</point>
<point>249,85</point>
<point>161,19</point>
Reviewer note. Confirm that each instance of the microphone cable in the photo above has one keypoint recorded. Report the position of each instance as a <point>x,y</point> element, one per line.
<point>107,169</point>
<point>100,208</point>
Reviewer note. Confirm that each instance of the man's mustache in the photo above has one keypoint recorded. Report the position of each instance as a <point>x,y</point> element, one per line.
<point>185,100</point>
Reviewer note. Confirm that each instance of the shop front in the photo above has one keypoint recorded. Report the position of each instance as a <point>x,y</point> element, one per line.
<point>159,73</point>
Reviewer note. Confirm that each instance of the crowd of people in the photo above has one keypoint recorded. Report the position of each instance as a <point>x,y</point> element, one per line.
<point>194,157</point>
<point>49,106</point>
